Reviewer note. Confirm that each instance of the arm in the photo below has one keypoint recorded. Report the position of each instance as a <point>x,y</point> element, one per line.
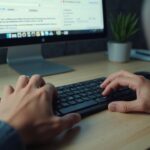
<point>9,138</point>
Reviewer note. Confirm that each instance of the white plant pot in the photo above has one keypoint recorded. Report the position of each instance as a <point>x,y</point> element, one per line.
<point>119,52</point>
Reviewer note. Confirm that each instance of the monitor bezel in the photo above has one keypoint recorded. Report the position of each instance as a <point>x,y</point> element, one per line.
<point>48,39</point>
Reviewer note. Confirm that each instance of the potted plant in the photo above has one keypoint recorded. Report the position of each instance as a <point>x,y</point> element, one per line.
<point>123,27</point>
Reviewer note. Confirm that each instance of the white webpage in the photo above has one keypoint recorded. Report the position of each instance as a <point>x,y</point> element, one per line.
<point>50,15</point>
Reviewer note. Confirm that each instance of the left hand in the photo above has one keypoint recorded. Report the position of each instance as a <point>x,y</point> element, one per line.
<point>28,108</point>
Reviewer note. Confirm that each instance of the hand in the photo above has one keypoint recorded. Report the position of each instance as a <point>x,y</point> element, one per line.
<point>134,82</point>
<point>28,108</point>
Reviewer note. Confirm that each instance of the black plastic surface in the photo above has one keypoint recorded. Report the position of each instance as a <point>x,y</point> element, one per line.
<point>85,97</point>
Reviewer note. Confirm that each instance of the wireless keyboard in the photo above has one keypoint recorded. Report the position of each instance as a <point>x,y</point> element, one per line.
<point>86,98</point>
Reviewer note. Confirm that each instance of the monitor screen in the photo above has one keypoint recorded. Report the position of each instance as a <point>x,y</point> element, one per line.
<point>40,21</point>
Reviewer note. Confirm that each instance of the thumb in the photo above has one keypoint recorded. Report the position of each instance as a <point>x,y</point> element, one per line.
<point>124,106</point>
<point>70,120</point>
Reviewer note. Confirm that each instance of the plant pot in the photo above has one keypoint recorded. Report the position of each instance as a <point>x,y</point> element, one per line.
<point>119,52</point>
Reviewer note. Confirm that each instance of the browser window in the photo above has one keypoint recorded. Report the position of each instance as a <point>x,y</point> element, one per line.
<point>42,16</point>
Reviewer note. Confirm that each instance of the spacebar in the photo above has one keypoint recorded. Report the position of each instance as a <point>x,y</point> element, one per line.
<point>75,108</point>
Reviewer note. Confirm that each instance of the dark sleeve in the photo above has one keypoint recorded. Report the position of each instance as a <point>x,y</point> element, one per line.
<point>9,138</point>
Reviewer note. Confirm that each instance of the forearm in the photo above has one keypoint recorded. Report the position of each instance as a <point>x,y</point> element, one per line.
<point>10,138</point>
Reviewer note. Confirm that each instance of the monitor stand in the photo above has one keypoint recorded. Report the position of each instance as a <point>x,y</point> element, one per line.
<point>28,60</point>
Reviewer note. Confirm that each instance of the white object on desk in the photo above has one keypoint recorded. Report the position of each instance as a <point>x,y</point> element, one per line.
<point>140,54</point>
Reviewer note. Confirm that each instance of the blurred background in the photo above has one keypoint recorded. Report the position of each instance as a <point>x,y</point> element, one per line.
<point>78,47</point>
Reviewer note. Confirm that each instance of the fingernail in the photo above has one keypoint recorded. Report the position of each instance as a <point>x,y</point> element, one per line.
<point>104,93</point>
<point>102,85</point>
<point>112,107</point>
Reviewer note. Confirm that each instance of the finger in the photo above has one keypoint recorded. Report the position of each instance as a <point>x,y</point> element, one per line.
<point>8,90</point>
<point>21,82</point>
<point>125,107</point>
<point>116,75</point>
<point>57,125</point>
<point>50,89</point>
<point>69,120</point>
<point>48,93</point>
<point>121,81</point>
<point>66,122</point>
<point>36,81</point>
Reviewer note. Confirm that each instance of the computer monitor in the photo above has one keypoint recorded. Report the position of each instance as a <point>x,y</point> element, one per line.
<point>27,24</point>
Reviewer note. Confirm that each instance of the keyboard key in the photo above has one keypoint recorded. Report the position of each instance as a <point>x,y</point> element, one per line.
<point>72,102</point>
<point>64,104</point>
<point>75,108</point>
<point>102,100</point>
<point>70,98</point>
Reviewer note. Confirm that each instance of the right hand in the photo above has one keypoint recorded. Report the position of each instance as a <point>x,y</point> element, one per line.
<point>138,83</point>
<point>28,108</point>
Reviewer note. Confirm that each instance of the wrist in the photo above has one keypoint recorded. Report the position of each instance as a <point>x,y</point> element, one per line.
<point>21,127</point>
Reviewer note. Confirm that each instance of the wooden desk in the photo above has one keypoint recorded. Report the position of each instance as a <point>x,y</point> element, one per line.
<point>104,130</point>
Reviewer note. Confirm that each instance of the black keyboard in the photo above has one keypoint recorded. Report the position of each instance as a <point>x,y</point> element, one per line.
<point>86,98</point>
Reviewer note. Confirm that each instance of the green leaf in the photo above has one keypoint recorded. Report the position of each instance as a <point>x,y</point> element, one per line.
<point>124,26</point>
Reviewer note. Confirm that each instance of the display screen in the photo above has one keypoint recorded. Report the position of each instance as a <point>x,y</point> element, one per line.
<point>40,18</point>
